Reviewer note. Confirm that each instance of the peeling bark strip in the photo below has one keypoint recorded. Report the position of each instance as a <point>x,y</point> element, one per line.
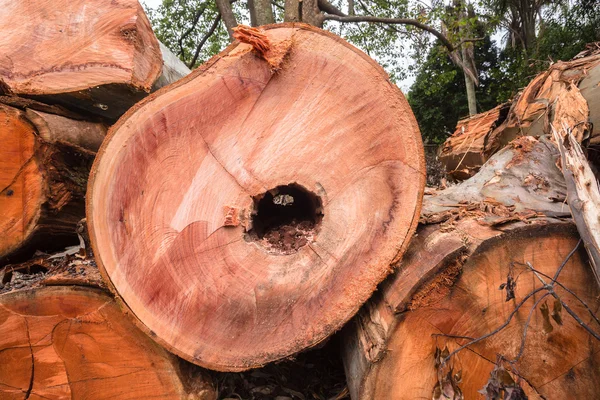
<point>567,88</point>
<point>322,163</point>
<point>74,342</point>
<point>583,193</point>
<point>93,55</point>
<point>45,160</point>
<point>428,304</point>
<point>519,182</point>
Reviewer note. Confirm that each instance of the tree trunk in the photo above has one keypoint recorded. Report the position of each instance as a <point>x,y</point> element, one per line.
<point>44,163</point>
<point>291,11</point>
<point>458,284</point>
<point>227,16</point>
<point>247,233</point>
<point>471,96</point>
<point>264,12</point>
<point>311,14</point>
<point>98,56</point>
<point>63,337</point>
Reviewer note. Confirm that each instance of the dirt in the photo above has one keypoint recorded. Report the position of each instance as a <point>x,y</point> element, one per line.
<point>313,375</point>
<point>288,238</point>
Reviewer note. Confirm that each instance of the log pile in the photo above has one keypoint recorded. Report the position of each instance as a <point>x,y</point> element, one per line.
<point>248,211</point>
<point>470,302</point>
<point>570,87</point>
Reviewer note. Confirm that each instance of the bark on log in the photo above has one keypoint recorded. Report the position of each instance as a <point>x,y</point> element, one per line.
<point>583,193</point>
<point>245,213</point>
<point>91,55</point>
<point>519,182</point>
<point>63,340</point>
<point>531,113</point>
<point>45,160</point>
<point>456,282</point>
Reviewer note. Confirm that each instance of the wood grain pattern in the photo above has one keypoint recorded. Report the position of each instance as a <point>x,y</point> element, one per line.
<point>175,169</point>
<point>556,365</point>
<point>74,343</point>
<point>79,52</point>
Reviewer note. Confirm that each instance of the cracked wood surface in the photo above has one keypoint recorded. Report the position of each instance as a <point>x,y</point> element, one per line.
<point>428,300</point>
<point>97,55</point>
<point>44,163</point>
<point>75,343</point>
<point>326,118</point>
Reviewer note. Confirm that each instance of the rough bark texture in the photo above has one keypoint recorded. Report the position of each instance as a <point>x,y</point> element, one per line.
<point>448,284</point>
<point>566,88</point>
<point>519,182</point>
<point>264,12</point>
<point>66,338</point>
<point>44,163</point>
<point>92,55</point>
<point>188,216</point>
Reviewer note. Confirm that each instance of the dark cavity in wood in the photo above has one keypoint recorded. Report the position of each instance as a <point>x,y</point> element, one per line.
<point>285,218</point>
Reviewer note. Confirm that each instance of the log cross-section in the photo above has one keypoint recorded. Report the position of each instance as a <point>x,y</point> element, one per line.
<point>245,213</point>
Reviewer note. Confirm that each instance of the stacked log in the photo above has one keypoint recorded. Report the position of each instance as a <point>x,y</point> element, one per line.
<point>64,336</point>
<point>255,226</point>
<point>101,61</point>
<point>93,56</point>
<point>574,84</point>
<point>45,159</point>
<point>472,310</point>
<point>246,212</point>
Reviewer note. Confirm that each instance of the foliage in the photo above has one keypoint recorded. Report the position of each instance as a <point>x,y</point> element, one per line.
<point>174,18</point>
<point>438,97</point>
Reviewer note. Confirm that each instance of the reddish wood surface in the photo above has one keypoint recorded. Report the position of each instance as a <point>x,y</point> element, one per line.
<point>93,54</point>
<point>449,284</point>
<point>44,163</point>
<point>75,343</point>
<point>170,198</point>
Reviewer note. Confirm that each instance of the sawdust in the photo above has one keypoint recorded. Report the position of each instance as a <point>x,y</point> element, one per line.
<point>438,287</point>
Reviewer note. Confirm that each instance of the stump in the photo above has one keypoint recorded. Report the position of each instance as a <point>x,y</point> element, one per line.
<point>92,55</point>
<point>463,283</point>
<point>45,159</point>
<point>245,213</point>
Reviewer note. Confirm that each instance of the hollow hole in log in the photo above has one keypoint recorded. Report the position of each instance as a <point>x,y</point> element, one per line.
<point>285,218</point>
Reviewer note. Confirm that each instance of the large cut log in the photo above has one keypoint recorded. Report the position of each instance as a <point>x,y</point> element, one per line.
<point>245,213</point>
<point>575,84</point>
<point>465,283</point>
<point>45,160</point>
<point>69,341</point>
<point>93,55</point>
<point>463,278</point>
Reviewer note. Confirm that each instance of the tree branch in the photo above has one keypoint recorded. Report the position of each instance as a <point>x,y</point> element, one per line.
<point>227,15</point>
<point>191,28</point>
<point>329,8</point>
<point>402,21</point>
<point>208,34</point>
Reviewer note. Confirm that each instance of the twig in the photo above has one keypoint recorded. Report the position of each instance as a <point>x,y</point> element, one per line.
<point>501,327</point>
